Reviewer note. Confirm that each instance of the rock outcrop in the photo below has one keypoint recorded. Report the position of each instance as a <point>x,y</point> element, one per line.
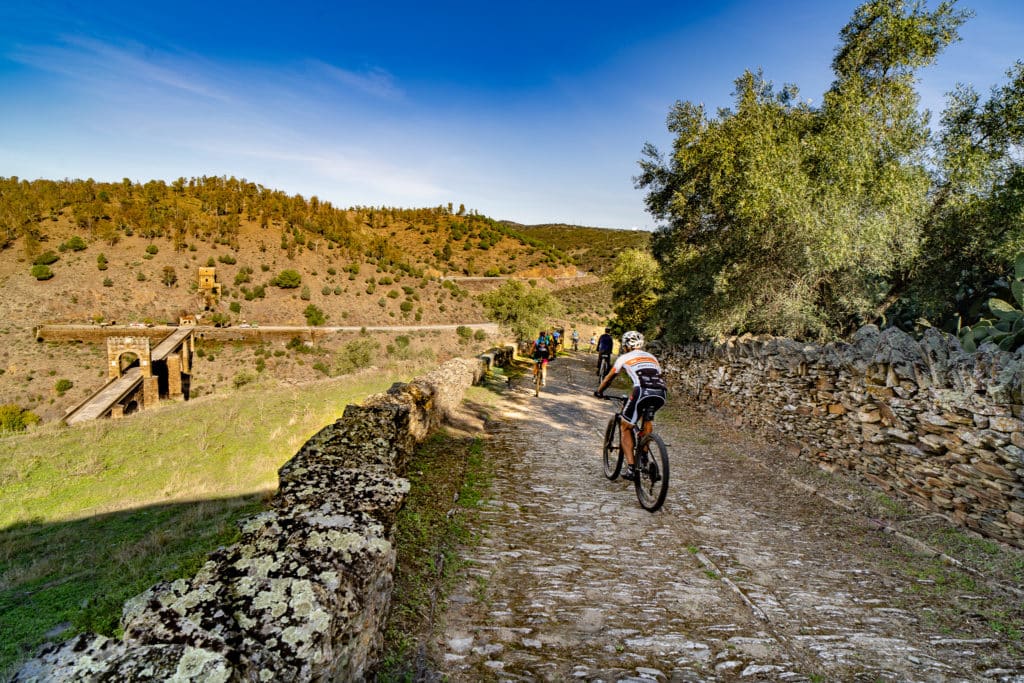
<point>922,418</point>
<point>305,592</point>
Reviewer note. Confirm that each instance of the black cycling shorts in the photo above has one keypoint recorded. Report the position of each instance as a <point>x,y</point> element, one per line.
<point>642,400</point>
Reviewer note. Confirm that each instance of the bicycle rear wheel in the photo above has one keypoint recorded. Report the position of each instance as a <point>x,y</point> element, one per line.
<point>602,367</point>
<point>651,473</point>
<point>612,449</point>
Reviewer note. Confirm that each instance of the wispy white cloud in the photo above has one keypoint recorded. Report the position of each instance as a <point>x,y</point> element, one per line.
<point>375,81</point>
<point>93,61</point>
<point>345,168</point>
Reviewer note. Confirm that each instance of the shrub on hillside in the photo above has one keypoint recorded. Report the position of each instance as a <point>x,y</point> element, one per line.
<point>101,262</point>
<point>228,259</point>
<point>243,378</point>
<point>45,259</point>
<point>152,249</point>
<point>356,354</point>
<point>62,386</point>
<point>287,279</point>
<point>306,295</point>
<point>41,272</point>
<point>14,419</point>
<point>76,243</point>
<point>314,316</point>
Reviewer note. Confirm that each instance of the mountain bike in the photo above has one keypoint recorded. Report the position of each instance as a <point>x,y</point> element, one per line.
<point>538,375</point>
<point>604,364</point>
<point>650,457</point>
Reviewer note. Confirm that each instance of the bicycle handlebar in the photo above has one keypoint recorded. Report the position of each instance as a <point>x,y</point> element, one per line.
<point>608,397</point>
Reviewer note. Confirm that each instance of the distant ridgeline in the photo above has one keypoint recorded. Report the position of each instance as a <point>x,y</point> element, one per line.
<point>215,208</point>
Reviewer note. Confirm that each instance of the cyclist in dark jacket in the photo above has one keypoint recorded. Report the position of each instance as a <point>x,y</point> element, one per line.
<point>605,343</point>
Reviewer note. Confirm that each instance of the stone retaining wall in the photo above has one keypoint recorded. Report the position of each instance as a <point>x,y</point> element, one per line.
<point>304,594</point>
<point>923,418</point>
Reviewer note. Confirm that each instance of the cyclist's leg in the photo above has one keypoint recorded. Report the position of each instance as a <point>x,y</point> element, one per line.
<point>544,371</point>
<point>626,432</point>
<point>628,418</point>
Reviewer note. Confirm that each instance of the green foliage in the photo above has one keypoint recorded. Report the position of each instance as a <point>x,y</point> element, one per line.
<point>1006,327</point>
<point>635,281</point>
<point>354,355</point>
<point>107,282</point>
<point>41,272</point>
<point>15,419</point>
<point>219,319</point>
<point>152,249</point>
<point>62,386</point>
<point>227,259</point>
<point>46,258</point>
<point>101,262</point>
<point>287,279</point>
<point>519,309</point>
<point>306,294</point>
<point>235,307</point>
<point>242,378</point>
<point>169,277</point>
<point>76,243</point>
<point>790,219</point>
<point>314,316</point>
<point>976,225</point>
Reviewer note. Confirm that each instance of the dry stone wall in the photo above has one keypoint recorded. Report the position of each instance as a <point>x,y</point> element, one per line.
<point>922,418</point>
<point>305,592</point>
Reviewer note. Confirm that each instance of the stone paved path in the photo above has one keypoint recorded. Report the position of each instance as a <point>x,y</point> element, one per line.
<point>742,575</point>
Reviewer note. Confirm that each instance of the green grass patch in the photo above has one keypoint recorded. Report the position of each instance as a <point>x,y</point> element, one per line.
<point>92,515</point>
<point>450,478</point>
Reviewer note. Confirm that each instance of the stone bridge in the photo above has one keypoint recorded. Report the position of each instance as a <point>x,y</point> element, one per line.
<point>139,375</point>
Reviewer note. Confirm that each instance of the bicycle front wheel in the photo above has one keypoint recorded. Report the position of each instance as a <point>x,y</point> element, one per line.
<point>651,473</point>
<point>612,449</point>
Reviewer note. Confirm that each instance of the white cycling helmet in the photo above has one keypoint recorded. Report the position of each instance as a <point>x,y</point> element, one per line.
<point>632,340</point>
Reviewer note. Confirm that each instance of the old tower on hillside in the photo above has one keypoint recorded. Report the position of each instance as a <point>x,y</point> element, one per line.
<point>209,288</point>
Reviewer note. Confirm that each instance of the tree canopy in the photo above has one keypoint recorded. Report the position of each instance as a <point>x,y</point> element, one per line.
<point>521,310</point>
<point>783,217</point>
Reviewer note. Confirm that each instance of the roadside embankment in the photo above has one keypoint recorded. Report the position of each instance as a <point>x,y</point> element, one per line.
<point>922,418</point>
<point>303,594</point>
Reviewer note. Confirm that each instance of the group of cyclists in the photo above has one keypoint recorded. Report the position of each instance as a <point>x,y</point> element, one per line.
<point>643,369</point>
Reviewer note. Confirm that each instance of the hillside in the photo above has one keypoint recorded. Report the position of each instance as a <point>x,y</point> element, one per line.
<point>593,250</point>
<point>97,253</point>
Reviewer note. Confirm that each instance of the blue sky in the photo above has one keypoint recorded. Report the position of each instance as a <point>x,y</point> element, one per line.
<point>530,111</point>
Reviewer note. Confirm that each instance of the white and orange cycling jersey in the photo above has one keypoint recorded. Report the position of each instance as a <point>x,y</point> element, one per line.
<point>643,369</point>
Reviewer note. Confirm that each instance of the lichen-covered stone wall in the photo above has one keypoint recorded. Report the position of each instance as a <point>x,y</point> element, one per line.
<point>923,418</point>
<point>305,592</point>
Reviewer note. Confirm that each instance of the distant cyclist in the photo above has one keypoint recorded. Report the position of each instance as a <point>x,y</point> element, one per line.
<point>649,390</point>
<point>605,343</point>
<point>591,343</point>
<point>541,355</point>
<point>575,339</point>
<point>556,341</point>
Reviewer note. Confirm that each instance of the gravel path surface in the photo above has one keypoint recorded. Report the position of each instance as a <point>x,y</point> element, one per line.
<point>743,575</point>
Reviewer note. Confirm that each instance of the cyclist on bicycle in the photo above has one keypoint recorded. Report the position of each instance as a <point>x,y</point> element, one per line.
<point>575,339</point>
<point>649,391</point>
<point>541,355</point>
<point>604,347</point>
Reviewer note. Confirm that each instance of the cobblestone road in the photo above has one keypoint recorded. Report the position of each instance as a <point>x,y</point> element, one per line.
<point>742,576</point>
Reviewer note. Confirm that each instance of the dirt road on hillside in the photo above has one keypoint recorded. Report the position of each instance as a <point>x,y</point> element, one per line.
<point>744,574</point>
